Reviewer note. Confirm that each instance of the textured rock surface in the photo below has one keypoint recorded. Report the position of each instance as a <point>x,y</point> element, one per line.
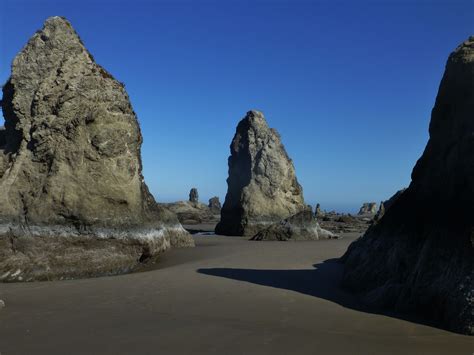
<point>419,257</point>
<point>262,185</point>
<point>70,170</point>
<point>193,195</point>
<point>302,226</point>
<point>192,213</point>
<point>368,208</point>
<point>215,205</point>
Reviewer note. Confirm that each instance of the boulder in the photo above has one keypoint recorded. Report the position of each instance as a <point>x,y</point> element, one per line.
<point>73,202</point>
<point>301,226</point>
<point>262,185</point>
<point>368,208</point>
<point>419,258</point>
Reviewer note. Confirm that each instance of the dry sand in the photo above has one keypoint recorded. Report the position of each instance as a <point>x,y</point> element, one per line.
<point>226,296</point>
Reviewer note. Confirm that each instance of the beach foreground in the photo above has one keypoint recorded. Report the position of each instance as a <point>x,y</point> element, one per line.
<point>226,296</point>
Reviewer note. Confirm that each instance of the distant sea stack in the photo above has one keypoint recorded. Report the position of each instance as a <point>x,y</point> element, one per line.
<point>193,195</point>
<point>368,208</point>
<point>214,205</point>
<point>262,185</point>
<point>420,256</point>
<point>73,202</point>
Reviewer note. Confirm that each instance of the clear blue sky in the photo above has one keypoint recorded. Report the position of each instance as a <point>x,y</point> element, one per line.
<point>348,84</point>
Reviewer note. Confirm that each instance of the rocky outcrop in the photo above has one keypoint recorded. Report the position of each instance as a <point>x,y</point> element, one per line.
<point>262,185</point>
<point>420,257</point>
<point>302,226</point>
<point>368,208</point>
<point>215,205</point>
<point>193,195</point>
<point>73,202</point>
<point>192,213</point>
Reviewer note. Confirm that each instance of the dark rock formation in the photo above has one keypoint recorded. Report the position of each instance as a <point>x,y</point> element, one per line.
<point>72,198</point>
<point>193,195</point>
<point>262,186</point>
<point>384,205</point>
<point>302,226</point>
<point>368,208</point>
<point>215,205</point>
<point>420,257</point>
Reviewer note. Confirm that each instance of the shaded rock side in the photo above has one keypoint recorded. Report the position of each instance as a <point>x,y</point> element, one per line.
<point>419,257</point>
<point>302,226</point>
<point>70,168</point>
<point>262,185</point>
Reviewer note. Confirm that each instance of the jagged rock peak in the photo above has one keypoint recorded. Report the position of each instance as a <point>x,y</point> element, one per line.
<point>70,167</point>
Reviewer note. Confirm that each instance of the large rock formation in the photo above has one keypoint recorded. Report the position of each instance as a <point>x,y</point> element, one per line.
<point>262,186</point>
<point>73,202</point>
<point>420,257</point>
<point>301,226</point>
<point>368,208</point>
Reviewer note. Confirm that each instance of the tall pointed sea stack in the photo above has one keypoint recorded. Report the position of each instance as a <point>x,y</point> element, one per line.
<point>420,257</point>
<point>73,201</point>
<point>262,185</point>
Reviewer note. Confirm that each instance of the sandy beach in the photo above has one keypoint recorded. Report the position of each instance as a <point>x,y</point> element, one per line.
<point>225,296</point>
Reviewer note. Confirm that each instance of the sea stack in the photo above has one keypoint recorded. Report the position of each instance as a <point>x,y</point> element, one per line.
<point>262,185</point>
<point>419,257</point>
<point>73,202</point>
<point>214,205</point>
<point>368,208</point>
<point>193,195</point>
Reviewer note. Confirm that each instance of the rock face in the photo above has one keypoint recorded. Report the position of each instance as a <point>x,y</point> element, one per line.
<point>73,202</point>
<point>302,226</point>
<point>193,195</point>
<point>420,257</point>
<point>368,208</point>
<point>215,205</point>
<point>262,186</point>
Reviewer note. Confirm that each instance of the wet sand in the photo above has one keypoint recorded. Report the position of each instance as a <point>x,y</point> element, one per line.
<point>226,296</point>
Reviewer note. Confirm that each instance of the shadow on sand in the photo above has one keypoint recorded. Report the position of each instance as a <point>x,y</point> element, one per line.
<point>322,282</point>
